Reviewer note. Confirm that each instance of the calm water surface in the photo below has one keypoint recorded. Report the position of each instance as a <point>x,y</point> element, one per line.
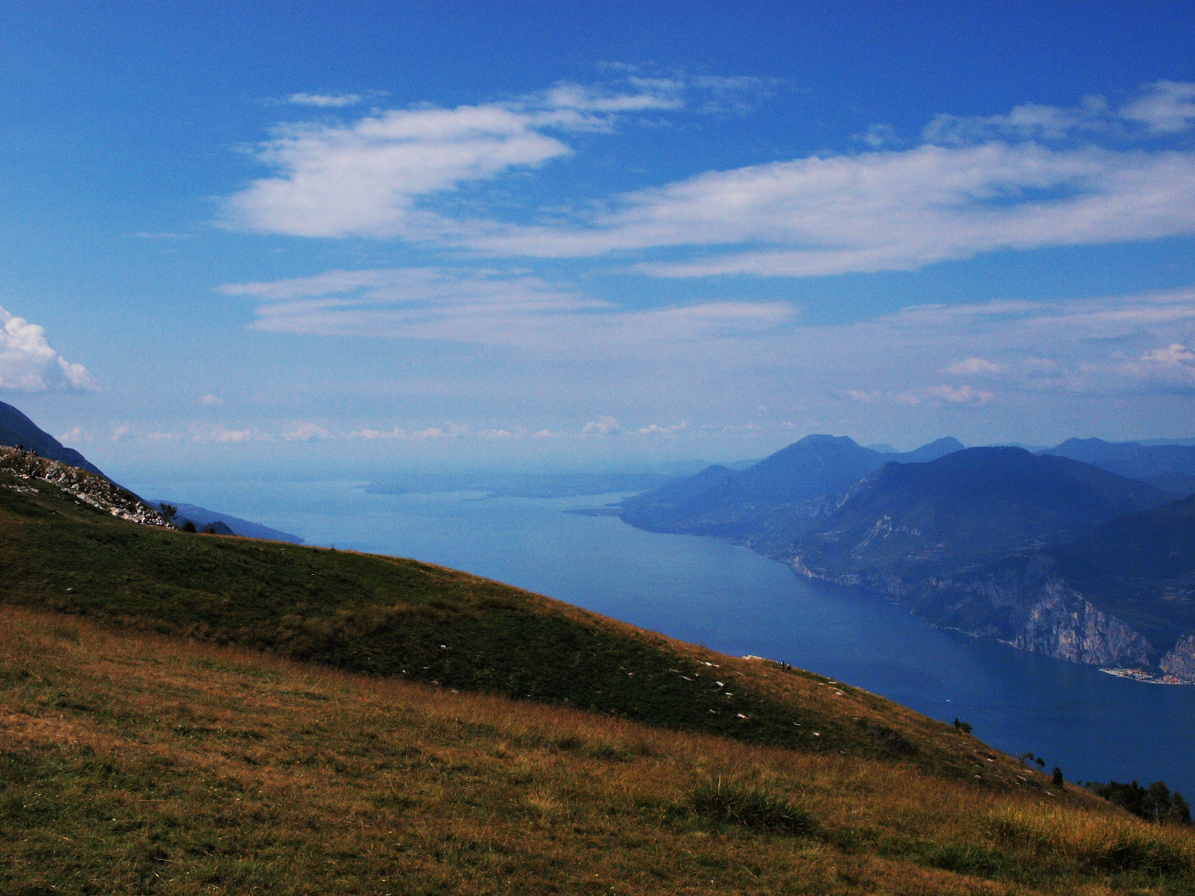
<point>1094,726</point>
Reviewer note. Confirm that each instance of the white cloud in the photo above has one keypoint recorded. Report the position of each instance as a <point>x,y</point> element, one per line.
<point>305,432</point>
<point>1075,347</point>
<point>29,364</point>
<point>1171,367</point>
<point>1163,107</point>
<point>367,177</point>
<point>880,210</point>
<point>1168,107</point>
<point>1029,121</point>
<point>654,429</point>
<point>973,367</point>
<point>979,184</point>
<point>324,100</point>
<point>960,394</point>
<point>75,375</point>
<point>448,431</point>
<point>879,135</point>
<point>220,433</point>
<point>864,396</point>
<point>211,401</point>
<point>363,179</point>
<point>1172,354</point>
<point>602,426</point>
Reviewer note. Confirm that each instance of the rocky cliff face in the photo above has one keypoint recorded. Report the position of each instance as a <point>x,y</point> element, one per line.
<point>1024,603</point>
<point>1180,661</point>
<point>1064,625</point>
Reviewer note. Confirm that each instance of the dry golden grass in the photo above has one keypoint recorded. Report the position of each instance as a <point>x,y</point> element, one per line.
<point>141,764</point>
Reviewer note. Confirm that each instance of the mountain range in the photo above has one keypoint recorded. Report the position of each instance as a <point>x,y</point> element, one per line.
<point>1079,552</point>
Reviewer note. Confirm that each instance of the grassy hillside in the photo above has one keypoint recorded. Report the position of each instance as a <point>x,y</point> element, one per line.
<point>141,763</point>
<point>393,617</point>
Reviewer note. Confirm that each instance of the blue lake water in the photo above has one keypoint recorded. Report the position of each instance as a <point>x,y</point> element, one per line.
<point>1094,726</point>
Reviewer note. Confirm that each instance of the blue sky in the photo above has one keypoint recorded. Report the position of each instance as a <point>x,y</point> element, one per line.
<point>359,236</point>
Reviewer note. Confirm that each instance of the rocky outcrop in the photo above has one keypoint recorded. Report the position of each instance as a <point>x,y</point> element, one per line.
<point>34,472</point>
<point>1066,626</point>
<point>1020,601</point>
<point>1179,662</point>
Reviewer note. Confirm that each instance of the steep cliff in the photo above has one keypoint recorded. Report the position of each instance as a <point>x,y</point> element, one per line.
<point>1180,660</point>
<point>1024,602</point>
<point>1066,626</point>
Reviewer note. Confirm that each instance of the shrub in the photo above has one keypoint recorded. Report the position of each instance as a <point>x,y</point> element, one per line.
<point>1155,803</point>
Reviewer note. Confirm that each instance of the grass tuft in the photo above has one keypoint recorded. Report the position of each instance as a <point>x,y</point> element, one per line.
<point>750,807</point>
<point>1106,842</point>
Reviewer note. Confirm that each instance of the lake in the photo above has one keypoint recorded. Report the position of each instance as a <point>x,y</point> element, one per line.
<point>1092,725</point>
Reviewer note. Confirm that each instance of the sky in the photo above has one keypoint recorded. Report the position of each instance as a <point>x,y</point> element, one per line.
<point>353,237</point>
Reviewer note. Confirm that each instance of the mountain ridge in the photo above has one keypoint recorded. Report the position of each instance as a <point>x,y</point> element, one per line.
<point>17,429</point>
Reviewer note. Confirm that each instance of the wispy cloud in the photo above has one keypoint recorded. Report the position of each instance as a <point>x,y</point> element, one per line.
<point>881,210</point>
<point>305,431</point>
<point>1037,176</point>
<point>1163,107</point>
<point>324,100</point>
<point>29,364</point>
<point>365,178</point>
<point>973,367</point>
<point>1166,108</point>
<point>488,307</point>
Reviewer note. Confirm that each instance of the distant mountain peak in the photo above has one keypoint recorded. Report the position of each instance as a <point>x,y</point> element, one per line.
<point>17,429</point>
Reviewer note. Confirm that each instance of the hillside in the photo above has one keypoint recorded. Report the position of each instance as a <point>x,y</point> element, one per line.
<point>391,617</point>
<point>139,763</point>
<point>144,749</point>
<point>964,509</point>
<point>1141,567</point>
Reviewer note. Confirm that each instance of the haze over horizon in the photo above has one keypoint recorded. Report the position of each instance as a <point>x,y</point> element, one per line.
<point>560,235</point>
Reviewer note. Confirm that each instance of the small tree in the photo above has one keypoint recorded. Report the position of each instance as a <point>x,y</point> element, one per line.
<point>1058,779</point>
<point>964,727</point>
<point>169,511</point>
